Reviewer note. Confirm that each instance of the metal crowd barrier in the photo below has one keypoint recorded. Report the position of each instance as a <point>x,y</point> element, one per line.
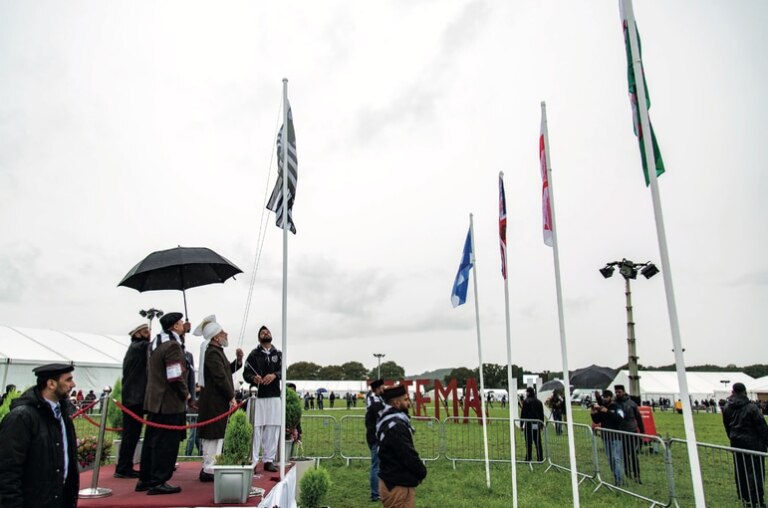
<point>463,439</point>
<point>731,476</point>
<point>427,437</point>
<point>526,433</point>
<point>634,464</point>
<point>320,436</point>
<point>558,453</point>
<point>352,442</point>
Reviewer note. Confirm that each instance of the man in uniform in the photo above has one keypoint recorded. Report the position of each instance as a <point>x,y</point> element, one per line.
<point>263,369</point>
<point>134,386</point>
<point>38,446</point>
<point>400,468</point>
<point>165,402</point>
<point>374,405</point>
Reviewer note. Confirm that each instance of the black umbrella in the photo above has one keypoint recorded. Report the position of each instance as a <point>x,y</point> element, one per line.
<point>180,268</point>
<point>593,376</point>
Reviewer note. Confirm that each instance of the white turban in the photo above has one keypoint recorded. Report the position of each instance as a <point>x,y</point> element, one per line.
<point>209,328</point>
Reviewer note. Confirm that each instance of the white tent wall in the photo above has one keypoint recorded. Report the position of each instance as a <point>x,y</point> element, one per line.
<point>701,385</point>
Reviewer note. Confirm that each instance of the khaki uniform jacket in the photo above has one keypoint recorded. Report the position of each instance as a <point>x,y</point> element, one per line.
<point>164,395</point>
<point>216,394</point>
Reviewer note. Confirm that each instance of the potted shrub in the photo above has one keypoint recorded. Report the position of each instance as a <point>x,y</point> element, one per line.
<point>233,472</point>
<point>314,488</point>
<point>302,464</point>
<point>86,452</point>
<point>292,421</point>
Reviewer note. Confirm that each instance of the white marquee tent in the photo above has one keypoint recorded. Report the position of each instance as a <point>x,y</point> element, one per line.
<point>98,359</point>
<point>758,388</point>
<point>701,385</point>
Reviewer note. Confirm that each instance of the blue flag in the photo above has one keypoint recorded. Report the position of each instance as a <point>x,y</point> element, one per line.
<point>461,284</point>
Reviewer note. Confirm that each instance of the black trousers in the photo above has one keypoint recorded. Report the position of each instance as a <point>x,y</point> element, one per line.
<point>749,473</point>
<point>161,448</point>
<point>129,438</point>
<point>532,436</point>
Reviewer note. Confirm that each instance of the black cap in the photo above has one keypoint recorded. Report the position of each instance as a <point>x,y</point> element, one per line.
<point>52,370</point>
<point>170,319</point>
<point>376,383</point>
<point>393,392</point>
<point>619,387</point>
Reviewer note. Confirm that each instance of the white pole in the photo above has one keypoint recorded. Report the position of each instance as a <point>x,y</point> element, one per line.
<point>509,375</point>
<point>666,269</point>
<point>285,278</point>
<point>561,318</point>
<point>480,355</point>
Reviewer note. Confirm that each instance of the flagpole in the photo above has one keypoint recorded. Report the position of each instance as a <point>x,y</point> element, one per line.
<point>480,355</point>
<point>509,369</point>
<point>284,363</point>
<point>560,315</point>
<point>625,7</point>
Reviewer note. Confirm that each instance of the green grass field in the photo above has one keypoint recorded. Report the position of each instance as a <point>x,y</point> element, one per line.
<point>463,484</point>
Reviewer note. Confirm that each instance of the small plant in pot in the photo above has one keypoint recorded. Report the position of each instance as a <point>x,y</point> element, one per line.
<point>292,421</point>
<point>233,472</point>
<point>314,488</point>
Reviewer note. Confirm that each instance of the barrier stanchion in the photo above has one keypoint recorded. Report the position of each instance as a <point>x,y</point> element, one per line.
<point>95,491</point>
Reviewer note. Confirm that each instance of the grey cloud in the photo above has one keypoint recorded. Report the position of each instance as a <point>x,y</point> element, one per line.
<point>464,29</point>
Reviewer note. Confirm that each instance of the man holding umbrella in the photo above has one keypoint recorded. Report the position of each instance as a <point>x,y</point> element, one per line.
<point>165,403</point>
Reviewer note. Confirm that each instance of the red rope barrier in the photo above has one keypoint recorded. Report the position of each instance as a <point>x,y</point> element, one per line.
<point>97,424</point>
<point>83,410</point>
<point>177,427</point>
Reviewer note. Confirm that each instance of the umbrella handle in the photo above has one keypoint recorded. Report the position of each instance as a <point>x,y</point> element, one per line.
<point>186,314</point>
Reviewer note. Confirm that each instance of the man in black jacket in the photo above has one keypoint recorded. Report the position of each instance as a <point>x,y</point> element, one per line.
<point>400,468</point>
<point>38,445</point>
<point>533,409</point>
<point>610,416</point>
<point>263,369</point>
<point>746,429</point>
<point>134,386</point>
<point>632,422</point>
<point>374,405</point>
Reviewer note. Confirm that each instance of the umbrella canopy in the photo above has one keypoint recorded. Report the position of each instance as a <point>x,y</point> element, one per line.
<point>554,384</point>
<point>179,268</point>
<point>593,376</point>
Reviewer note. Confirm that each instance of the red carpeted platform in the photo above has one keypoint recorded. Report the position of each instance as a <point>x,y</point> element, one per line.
<point>193,491</point>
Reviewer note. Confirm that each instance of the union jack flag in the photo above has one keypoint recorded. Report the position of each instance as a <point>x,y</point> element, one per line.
<point>503,226</point>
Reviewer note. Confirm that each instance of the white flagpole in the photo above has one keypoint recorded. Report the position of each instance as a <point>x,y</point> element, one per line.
<point>285,279</point>
<point>561,318</point>
<point>509,374</point>
<point>625,7</point>
<point>480,355</point>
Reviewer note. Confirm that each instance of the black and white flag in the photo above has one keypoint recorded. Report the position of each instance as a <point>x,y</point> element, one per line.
<point>276,200</point>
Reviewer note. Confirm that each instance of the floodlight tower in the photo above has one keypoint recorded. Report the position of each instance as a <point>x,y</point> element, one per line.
<point>629,270</point>
<point>379,356</point>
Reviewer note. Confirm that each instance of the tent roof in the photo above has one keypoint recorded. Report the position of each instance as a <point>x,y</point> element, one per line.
<point>699,383</point>
<point>758,385</point>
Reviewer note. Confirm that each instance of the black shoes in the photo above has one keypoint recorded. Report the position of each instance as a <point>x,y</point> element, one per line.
<point>142,486</point>
<point>268,466</point>
<point>126,474</point>
<point>163,488</point>
<point>205,477</point>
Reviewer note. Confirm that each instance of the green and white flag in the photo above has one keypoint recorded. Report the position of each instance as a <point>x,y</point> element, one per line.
<point>633,99</point>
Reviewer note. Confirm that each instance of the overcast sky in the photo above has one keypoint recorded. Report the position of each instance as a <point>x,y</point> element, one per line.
<point>130,127</point>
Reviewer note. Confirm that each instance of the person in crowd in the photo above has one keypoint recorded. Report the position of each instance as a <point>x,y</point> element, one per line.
<point>80,399</point>
<point>632,422</point>
<point>557,405</point>
<point>503,401</point>
<point>532,409</point>
<point>217,394</point>
<point>679,406</point>
<point>320,398</point>
<point>165,401</point>
<point>609,415</point>
<point>312,401</point>
<point>400,467</point>
<point>193,440</point>
<point>134,386</point>
<point>306,401</point>
<point>263,369</point>
<point>38,445</point>
<point>746,429</point>
<point>374,406</point>
<point>89,399</point>
<point>332,398</point>
<point>9,389</point>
